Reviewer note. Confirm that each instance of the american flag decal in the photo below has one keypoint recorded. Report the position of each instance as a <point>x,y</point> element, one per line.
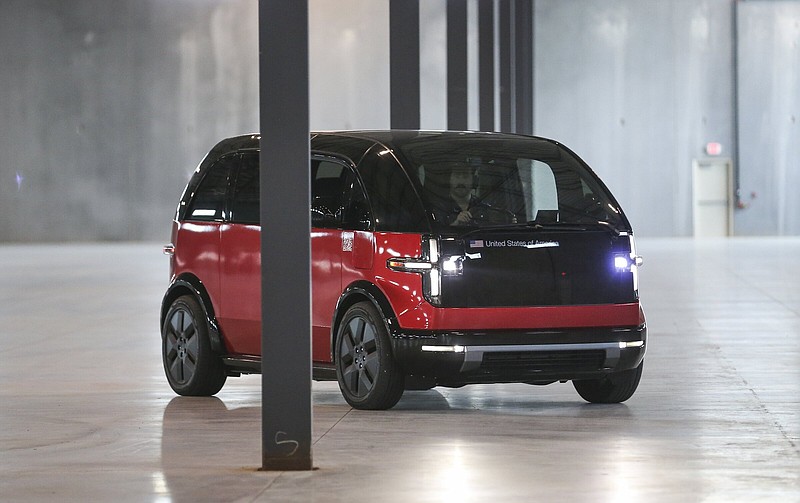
<point>476,243</point>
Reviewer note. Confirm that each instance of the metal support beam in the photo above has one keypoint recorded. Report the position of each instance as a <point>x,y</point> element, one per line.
<point>404,63</point>
<point>285,237</point>
<point>523,66</point>
<point>505,47</point>
<point>456,64</point>
<point>486,65</point>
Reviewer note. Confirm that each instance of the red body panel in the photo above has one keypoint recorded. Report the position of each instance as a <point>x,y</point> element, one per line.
<point>427,317</point>
<point>197,252</point>
<point>326,287</point>
<point>228,259</point>
<point>239,314</point>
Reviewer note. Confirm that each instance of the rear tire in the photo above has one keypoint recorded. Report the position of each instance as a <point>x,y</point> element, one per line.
<point>365,368</point>
<point>614,388</point>
<point>191,366</point>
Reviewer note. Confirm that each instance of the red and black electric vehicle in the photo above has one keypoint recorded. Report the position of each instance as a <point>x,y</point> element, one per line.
<point>438,259</point>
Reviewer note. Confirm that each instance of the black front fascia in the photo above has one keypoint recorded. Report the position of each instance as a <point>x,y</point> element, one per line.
<point>537,268</point>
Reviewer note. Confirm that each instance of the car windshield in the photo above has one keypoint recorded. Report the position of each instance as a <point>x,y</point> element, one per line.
<point>497,182</point>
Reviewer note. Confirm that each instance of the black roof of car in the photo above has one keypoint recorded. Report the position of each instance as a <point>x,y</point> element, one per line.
<point>389,138</point>
<point>411,149</point>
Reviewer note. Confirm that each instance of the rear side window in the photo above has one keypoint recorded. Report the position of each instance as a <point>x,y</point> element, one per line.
<point>245,207</point>
<point>329,181</point>
<point>337,198</point>
<point>208,203</point>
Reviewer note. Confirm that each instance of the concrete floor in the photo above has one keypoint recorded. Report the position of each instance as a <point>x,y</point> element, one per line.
<point>88,416</point>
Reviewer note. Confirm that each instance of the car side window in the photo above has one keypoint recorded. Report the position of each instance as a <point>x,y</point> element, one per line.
<point>208,203</point>
<point>245,207</point>
<point>395,204</point>
<point>329,181</point>
<point>539,190</point>
<point>357,215</point>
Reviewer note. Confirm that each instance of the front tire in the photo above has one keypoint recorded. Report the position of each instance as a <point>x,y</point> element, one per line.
<point>191,366</point>
<point>614,388</point>
<point>365,368</point>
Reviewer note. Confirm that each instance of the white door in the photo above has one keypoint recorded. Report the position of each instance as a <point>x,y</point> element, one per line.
<point>713,187</point>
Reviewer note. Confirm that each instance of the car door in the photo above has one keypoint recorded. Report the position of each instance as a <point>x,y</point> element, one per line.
<point>240,256</point>
<point>240,261</point>
<point>330,180</point>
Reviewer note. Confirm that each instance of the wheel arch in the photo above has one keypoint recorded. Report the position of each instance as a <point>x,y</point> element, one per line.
<point>189,284</point>
<point>360,291</point>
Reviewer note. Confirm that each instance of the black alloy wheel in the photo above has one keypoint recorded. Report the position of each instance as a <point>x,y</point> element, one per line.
<point>614,388</point>
<point>191,366</point>
<point>365,368</point>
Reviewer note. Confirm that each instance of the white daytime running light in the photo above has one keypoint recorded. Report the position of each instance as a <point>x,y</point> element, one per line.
<point>436,283</point>
<point>621,262</point>
<point>636,262</point>
<point>443,349</point>
<point>408,264</point>
<point>433,245</point>
<point>632,344</point>
<point>424,266</point>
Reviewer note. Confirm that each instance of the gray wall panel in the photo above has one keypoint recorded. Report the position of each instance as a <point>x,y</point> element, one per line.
<point>433,64</point>
<point>106,107</point>
<point>637,89</point>
<point>769,113</point>
<point>349,64</point>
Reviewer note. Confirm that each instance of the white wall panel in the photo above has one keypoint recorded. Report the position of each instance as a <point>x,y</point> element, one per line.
<point>637,89</point>
<point>349,58</point>
<point>433,64</point>
<point>106,107</point>
<point>769,113</point>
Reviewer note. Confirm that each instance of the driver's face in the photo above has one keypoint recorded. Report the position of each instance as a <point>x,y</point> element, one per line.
<point>461,183</point>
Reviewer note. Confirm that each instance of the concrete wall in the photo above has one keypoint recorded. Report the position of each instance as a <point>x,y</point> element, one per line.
<point>349,67</point>
<point>106,107</point>
<point>637,88</point>
<point>769,113</point>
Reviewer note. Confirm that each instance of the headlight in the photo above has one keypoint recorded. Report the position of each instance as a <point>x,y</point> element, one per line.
<point>453,265</point>
<point>432,265</point>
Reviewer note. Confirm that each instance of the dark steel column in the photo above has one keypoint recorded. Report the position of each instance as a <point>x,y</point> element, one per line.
<point>285,241</point>
<point>506,62</point>
<point>456,64</point>
<point>404,63</point>
<point>523,66</point>
<point>486,65</point>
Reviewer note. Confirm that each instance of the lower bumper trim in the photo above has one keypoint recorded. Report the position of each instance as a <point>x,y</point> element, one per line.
<point>474,355</point>
<point>458,358</point>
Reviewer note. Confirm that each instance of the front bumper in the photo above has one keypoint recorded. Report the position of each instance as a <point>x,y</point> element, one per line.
<point>456,358</point>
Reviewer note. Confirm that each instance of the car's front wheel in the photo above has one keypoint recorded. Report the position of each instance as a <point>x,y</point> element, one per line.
<point>191,366</point>
<point>614,388</point>
<point>365,368</point>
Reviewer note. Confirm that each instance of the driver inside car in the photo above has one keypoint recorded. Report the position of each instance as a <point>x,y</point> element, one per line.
<point>463,207</point>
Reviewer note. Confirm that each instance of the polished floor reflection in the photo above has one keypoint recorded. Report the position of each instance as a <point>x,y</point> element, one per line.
<point>87,415</point>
